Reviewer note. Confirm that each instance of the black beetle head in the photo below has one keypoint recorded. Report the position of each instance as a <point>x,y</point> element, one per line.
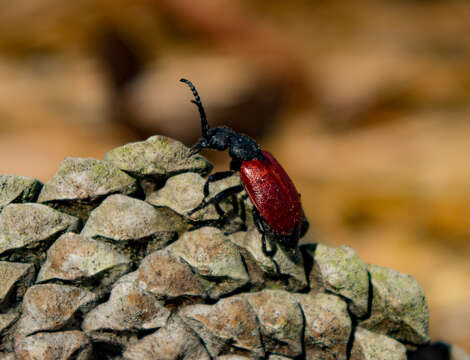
<point>220,138</point>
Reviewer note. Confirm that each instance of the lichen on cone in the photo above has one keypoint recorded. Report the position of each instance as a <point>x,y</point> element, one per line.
<point>103,261</point>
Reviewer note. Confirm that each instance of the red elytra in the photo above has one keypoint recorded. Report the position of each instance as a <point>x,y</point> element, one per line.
<point>273,193</point>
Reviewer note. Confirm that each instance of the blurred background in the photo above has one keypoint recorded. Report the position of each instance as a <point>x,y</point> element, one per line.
<point>365,103</point>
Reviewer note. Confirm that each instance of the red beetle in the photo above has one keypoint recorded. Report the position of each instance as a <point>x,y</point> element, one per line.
<point>277,210</point>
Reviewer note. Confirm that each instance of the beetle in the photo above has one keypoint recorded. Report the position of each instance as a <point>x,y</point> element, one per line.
<point>277,210</point>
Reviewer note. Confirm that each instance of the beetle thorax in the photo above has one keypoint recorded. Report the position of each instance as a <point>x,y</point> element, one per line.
<point>244,148</point>
<point>240,146</point>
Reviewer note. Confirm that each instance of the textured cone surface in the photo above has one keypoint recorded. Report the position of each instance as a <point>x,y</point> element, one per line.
<point>111,266</point>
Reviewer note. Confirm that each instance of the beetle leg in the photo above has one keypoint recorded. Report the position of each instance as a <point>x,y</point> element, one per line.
<point>218,198</point>
<point>260,227</point>
<point>216,177</point>
<point>243,213</point>
<point>231,191</point>
<point>238,204</point>
<point>213,222</point>
<point>272,244</point>
<point>219,210</point>
<point>257,220</point>
<point>244,197</point>
<point>238,209</point>
<point>235,205</point>
<point>304,227</point>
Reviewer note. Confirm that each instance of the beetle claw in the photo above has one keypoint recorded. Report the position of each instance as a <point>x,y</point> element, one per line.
<point>195,149</point>
<point>197,208</point>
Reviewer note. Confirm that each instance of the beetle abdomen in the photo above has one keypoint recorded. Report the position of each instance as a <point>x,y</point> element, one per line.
<point>273,193</point>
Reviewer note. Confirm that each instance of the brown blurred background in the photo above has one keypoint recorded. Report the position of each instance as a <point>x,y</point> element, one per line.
<point>365,103</point>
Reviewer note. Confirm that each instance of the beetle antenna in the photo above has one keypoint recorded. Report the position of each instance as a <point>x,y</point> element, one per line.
<point>197,101</point>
